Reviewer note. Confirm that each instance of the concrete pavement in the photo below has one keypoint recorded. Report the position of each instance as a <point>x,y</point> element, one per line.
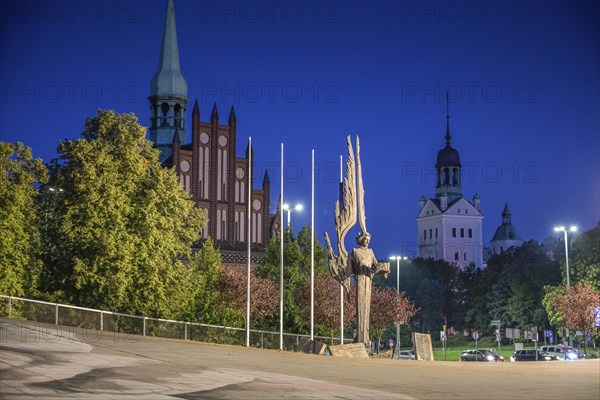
<point>44,361</point>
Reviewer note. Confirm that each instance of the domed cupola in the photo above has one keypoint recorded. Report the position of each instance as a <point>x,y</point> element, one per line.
<point>506,235</point>
<point>448,167</point>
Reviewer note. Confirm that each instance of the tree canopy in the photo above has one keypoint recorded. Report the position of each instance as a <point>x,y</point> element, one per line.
<point>20,246</point>
<point>122,224</point>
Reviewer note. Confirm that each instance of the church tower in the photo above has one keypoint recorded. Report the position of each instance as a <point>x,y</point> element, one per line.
<point>449,225</point>
<point>208,168</point>
<point>506,235</point>
<point>168,92</point>
<point>448,184</point>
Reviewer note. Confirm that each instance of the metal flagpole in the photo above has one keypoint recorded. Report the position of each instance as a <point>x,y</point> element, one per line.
<point>281,260</point>
<point>249,238</point>
<point>341,286</point>
<point>312,250</point>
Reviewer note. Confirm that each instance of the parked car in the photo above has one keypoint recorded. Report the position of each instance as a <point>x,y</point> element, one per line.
<point>579,353</point>
<point>530,355</point>
<point>406,355</point>
<point>480,355</point>
<point>561,352</point>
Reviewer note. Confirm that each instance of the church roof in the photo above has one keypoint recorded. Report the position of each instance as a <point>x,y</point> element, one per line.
<point>450,207</point>
<point>506,232</point>
<point>448,156</point>
<point>168,79</point>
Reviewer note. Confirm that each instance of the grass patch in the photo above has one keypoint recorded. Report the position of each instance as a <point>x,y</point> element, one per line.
<point>457,345</point>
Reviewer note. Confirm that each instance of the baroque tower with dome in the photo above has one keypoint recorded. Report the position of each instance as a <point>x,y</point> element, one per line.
<point>506,235</point>
<point>449,225</point>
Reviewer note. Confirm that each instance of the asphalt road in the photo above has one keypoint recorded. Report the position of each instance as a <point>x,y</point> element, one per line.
<point>46,362</point>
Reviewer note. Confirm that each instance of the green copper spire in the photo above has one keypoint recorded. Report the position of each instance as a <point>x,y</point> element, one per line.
<point>168,79</point>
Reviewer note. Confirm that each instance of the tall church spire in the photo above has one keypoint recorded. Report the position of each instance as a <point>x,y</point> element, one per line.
<point>448,137</point>
<point>168,78</point>
<point>168,92</point>
<point>448,166</point>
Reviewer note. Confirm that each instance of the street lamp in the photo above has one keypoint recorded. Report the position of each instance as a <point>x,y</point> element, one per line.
<point>564,229</point>
<point>289,209</point>
<point>398,258</point>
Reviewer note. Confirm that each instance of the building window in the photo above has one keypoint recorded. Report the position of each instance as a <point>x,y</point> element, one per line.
<point>456,256</point>
<point>459,210</point>
<point>453,232</point>
<point>424,234</point>
<point>436,234</point>
<point>470,232</point>
<point>465,256</point>
<point>462,232</point>
<point>430,233</point>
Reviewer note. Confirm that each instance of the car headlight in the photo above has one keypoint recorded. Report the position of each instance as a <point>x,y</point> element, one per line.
<point>489,358</point>
<point>572,356</point>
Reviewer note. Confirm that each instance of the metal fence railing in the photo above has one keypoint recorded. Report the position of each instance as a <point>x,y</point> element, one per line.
<point>108,321</point>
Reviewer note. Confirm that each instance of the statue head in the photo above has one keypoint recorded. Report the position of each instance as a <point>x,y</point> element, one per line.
<point>363,239</point>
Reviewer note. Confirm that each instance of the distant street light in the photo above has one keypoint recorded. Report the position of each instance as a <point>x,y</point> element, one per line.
<point>289,209</point>
<point>572,228</point>
<point>398,258</point>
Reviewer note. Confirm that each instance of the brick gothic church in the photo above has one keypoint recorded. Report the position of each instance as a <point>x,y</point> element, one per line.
<point>208,167</point>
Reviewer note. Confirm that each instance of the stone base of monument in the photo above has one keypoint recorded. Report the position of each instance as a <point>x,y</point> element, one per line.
<point>354,350</point>
<point>312,346</point>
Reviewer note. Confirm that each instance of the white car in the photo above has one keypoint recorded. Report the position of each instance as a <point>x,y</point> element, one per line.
<point>406,355</point>
<point>560,352</point>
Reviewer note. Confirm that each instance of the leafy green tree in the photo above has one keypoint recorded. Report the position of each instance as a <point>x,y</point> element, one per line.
<point>515,280</point>
<point>524,306</point>
<point>320,254</point>
<point>550,303</point>
<point>122,225</point>
<point>293,279</point>
<point>207,304</point>
<point>20,244</point>
<point>435,287</point>
<point>584,260</point>
<point>473,299</point>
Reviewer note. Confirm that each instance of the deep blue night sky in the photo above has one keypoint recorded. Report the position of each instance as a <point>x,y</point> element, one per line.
<point>523,80</point>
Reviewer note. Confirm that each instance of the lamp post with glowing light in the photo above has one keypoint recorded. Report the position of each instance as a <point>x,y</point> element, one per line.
<point>398,258</point>
<point>289,209</point>
<point>565,230</point>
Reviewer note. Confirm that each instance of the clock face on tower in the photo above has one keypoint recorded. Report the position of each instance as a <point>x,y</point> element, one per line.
<point>256,204</point>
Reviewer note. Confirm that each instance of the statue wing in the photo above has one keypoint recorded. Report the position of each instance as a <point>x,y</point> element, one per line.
<point>345,218</point>
<point>361,191</point>
<point>345,214</point>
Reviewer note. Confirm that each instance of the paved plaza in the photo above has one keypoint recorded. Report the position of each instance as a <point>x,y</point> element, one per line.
<point>46,362</point>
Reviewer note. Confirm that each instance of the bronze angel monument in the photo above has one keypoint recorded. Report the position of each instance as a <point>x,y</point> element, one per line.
<point>361,262</point>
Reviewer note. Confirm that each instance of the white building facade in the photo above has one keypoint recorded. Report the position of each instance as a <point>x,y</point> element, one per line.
<point>449,225</point>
